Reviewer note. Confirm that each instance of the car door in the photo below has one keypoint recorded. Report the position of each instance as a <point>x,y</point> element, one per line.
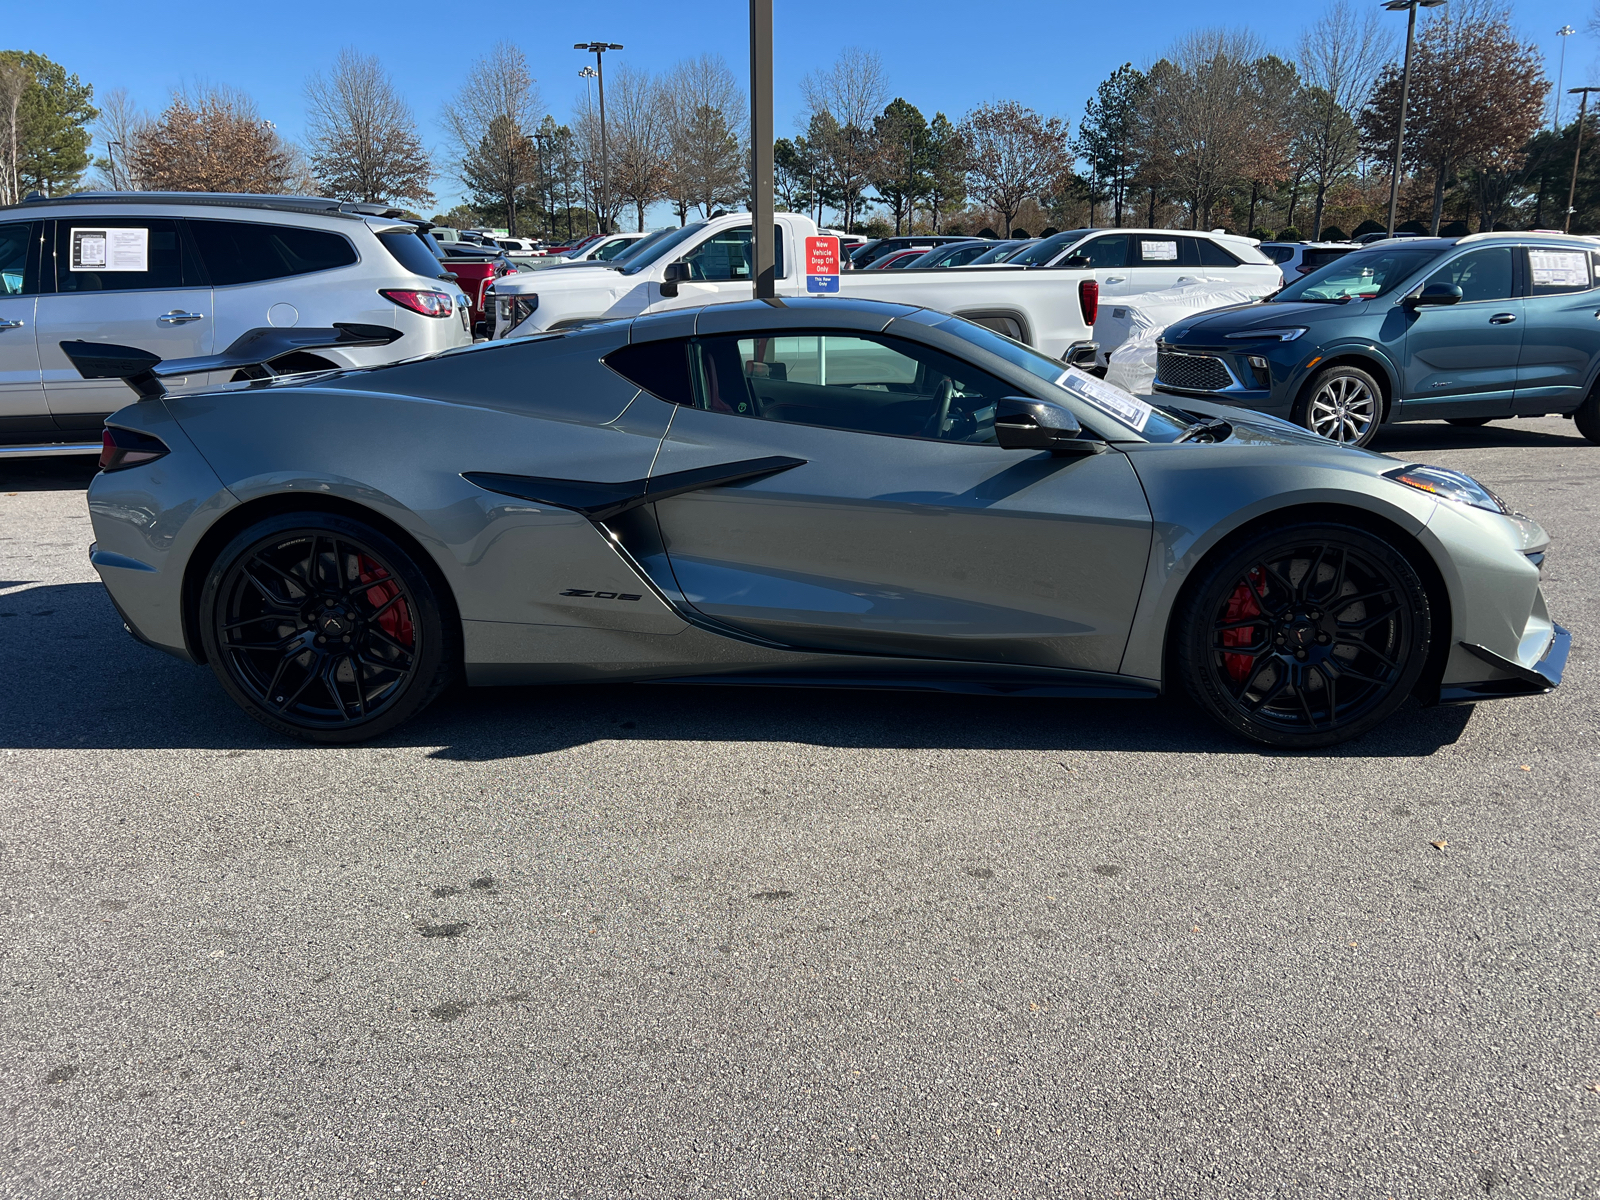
<point>719,270</point>
<point>1108,259</point>
<point>22,405</point>
<point>131,281</point>
<point>905,530</point>
<point>1155,261</point>
<point>1560,329</point>
<point>1466,353</point>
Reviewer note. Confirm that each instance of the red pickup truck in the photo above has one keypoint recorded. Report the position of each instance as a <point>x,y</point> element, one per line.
<point>475,269</point>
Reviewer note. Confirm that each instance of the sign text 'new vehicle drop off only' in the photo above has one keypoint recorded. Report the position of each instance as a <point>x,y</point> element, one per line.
<point>822,264</point>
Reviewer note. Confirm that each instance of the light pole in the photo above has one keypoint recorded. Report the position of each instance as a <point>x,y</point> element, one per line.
<point>1409,7</point>
<point>763,250</point>
<point>1583,111</point>
<point>598,49</point>
<point>1563,33</point>
<point>111,153</point>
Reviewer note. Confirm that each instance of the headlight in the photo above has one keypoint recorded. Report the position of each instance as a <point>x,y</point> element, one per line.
<point>1287,333</point>
<point>1448,485</point>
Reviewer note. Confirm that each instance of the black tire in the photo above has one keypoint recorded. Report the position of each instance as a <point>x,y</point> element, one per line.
<point>1587,418</point>
<point>1468,422</point>
<point>1343,404</point>
<point>1278,639</point>
<point>323,628</point>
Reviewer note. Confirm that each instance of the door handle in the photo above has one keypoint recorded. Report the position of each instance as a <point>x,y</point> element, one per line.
<point>1502,318</point>
<point>1119,279</point>
<point>18,324</point>
<point>178,317</point>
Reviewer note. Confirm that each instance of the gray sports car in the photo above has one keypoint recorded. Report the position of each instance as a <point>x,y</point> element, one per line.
<point>833,493</point>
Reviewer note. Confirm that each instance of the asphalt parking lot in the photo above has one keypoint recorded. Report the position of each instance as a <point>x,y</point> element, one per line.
<point>671,942</point>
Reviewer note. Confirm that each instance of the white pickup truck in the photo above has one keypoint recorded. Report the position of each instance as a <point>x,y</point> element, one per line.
<point>708,262</point>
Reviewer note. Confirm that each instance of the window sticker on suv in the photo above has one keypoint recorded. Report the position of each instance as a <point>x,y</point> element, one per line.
<point>1158,251</point>
<point>1114,402</point>
<point>110,250</point>
<point>1558,268</point>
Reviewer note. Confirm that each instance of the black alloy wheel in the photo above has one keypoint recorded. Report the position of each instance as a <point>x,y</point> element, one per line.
<point>323,628</point>
<point>1305,637</point>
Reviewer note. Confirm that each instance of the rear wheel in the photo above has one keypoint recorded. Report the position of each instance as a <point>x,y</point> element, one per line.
<point>1468,422</point>
<point>1587,418</point>
<point>1343,404</point>
<point>1306,636</point>
<point>323,628</point>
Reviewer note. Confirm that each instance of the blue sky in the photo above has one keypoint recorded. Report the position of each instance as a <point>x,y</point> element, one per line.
<point>939,55</point>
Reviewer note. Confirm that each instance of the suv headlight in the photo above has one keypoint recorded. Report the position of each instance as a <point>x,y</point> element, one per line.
<point>1287,333</point>
<point>1448,485</point>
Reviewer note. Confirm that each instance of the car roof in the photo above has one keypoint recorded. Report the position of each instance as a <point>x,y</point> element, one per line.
<point>798,312</point>
<point>319,205</point>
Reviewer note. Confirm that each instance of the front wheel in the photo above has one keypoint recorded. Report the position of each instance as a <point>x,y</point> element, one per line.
<point>1306,636</point>
<point>1343,404</point>
<point>323,628</point>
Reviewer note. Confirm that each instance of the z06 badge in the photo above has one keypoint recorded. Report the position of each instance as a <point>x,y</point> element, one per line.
<point>601,595</point>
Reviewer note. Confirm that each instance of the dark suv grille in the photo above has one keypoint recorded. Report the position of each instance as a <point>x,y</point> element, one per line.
<point>1192,372</point>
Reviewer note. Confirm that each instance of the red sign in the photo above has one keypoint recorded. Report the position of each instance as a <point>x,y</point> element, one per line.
<point>822,264</point>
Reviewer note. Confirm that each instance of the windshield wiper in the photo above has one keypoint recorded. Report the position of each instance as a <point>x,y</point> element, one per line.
<point>1214,429</point>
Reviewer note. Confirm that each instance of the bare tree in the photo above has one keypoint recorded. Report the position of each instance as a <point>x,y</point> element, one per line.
<point>14,79</point>
<point>364,140</point>
<point>489,124</point>
<point>211,140</point>
<point>638,137</point>
<point>1013,155</point>
<point>1477,96</point>
<point>841,104</point>
<point>706,121</point>
<point>1200,122</point>
<point>1339,58</point>
<point>116,129</point>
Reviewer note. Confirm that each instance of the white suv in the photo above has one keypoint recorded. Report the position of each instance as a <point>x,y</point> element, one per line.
<point>184,274</point>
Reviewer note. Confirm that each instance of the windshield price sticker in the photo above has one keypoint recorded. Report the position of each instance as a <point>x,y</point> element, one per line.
<point>822,265</point>
<point>1559,268</point>
<point>1114,402</point>
<point>110,250</point>
<point>1158,251</point>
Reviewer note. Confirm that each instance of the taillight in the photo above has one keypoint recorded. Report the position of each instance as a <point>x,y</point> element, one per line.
<point>123,448</point>
<point>1089,300</point>
<point>429,304</point>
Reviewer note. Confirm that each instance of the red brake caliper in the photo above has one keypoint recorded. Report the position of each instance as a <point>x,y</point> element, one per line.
<point>396,622</point>
<point>1241,607</point>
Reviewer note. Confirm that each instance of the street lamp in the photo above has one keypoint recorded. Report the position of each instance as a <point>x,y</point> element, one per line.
<point>111,153</point>
<point>1409,7</point>
<point>1563,33</point>
<point>1577,152</point>
<point>598,49</point>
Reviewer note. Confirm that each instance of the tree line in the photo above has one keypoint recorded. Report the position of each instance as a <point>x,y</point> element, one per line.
<point>1217,132</point>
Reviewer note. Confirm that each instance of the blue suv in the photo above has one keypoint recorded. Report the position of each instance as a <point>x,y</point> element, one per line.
<point>1467,329</point>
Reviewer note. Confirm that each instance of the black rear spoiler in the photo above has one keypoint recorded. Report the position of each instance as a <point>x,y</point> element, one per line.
<point>252,353</point>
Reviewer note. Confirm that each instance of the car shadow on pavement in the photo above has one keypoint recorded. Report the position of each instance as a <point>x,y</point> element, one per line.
<point>66,473</point>
<point>78,681</point>
<point>1412,436</point>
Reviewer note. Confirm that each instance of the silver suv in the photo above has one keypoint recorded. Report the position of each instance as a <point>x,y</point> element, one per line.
<point>184,274</point>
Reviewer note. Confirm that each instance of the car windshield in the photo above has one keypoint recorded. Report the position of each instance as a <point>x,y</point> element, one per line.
<point>1155,423</point>
<point>1360,275</point>
<point>638,261</point>
<point>638,244</point>
<point>1043,251</point>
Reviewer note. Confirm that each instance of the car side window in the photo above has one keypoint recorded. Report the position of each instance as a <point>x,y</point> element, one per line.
<point>1552,272</point>
<point>660,368</point>
<point>1156,252</point>
<point>1105,251</point>
<point>1278,254</point>
<point>1213,255</point>
<point>251,251</point>
<point>15,278</point>
<point>121,254</point>
<point>727,255</point>
<point>1481,275</point>
<point>866,383</point>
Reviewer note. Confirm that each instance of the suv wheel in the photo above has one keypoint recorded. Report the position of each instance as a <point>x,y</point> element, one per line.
<point>1306,636</point>
<point>323,628</point>
<point>1342,404</point>
<point>1587,418</point>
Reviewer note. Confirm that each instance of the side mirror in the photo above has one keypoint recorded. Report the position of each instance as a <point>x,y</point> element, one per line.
<point>1077,262</point>
<point>1021,423</point>
<point>1436,293</point>
<point>676,273</point>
